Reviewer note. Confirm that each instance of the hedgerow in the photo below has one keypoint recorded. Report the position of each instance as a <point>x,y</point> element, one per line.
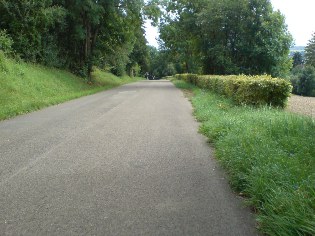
<point>249,90</point>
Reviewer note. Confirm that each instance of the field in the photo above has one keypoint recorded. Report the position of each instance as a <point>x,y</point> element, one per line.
<point>302,105</point>
<point>269,155</point>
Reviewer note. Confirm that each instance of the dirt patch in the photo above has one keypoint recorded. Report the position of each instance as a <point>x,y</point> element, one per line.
<point>302,105</point>
<point>188,93</point>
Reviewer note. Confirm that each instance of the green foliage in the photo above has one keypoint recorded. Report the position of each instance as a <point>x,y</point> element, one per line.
<point>209,35</point>
<point>189,78</point>
<point>151,11</point>
<point>249,90</point>
<point>269,156</point>
<point>27,87</point>
<point>6,42</point>
<point>78,34</point>
<point>180,37</point>
<point>30,23</point>
<point>109,32</point>
<point>170,69</point>
<point>139,57</point>
<point>310,52</point>
<point>162,63</point>
<point>303,80</point>
<point>3,63</point>
<point>298,59</point>
<point>134,70</point>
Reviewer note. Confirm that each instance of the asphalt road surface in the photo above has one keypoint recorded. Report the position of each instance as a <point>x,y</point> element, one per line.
<point>128,161</point>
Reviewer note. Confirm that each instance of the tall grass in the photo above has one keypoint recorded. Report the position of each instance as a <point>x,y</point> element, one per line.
<point>27,87</point>
<point>269,155</point>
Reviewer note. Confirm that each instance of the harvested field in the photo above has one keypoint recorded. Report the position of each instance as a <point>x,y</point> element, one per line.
<point>302,105</point>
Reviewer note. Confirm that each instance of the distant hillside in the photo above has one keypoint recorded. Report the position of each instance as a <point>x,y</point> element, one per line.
<point>300,49</point>
<point>297,48</point>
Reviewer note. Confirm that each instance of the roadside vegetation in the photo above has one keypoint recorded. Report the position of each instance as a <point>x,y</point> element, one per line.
<point>77,35</point>
<point>207,37</point>
<point>269,155</point>
<point>50,50</point>
<point>244,90</point>
<point>26,87</point>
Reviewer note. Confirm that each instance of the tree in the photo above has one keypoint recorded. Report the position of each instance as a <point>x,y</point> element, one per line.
<point>139,57</point>
<point>78,34</point>
<point>253,41</point>
<point>30,23</point>
<point>307,82</point>
<point>179,35</point>
<point>303,80</point>
<point>310,52</point>
<point>103,33</point>
<point>162,63</point>
<point>298,59</point>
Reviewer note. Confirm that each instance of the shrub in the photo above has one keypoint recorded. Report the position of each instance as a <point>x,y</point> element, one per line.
<point>189,78</point>
<point>250,90</point>
<point>5,42</point>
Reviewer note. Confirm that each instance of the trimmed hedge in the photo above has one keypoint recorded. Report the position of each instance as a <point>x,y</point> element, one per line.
<point>244,90</point>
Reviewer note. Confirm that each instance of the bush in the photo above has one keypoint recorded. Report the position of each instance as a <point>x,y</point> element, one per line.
<point>249,90</point>
<point>303,80</point>
<point>5,42</point>
<point>189,78</point>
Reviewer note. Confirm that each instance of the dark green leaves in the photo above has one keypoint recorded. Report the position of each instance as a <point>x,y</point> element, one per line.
<point>227,37</point>
<point>310,52</point>
<point>78,34</point>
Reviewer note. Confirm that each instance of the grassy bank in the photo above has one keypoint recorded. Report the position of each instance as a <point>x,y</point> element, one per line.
<point>269,155</point>
<point>27,87</point>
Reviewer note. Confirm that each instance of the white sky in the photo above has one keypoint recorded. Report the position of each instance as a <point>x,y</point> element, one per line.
<point>152,34</point>
<point>300,18</point>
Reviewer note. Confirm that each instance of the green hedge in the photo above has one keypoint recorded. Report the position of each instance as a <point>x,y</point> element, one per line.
<point>245,90</point>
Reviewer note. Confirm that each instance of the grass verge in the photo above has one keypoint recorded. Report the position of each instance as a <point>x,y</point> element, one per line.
<point>269,155</point>
<point>27,87</point>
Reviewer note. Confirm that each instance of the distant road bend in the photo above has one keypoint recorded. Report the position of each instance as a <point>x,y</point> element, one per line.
<point>128,161</point>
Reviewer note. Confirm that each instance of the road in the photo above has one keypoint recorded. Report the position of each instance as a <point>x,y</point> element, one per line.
<point>128,161</point>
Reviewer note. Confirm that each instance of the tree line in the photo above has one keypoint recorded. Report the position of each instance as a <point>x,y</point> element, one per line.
<point>78,34</point>
<point>231,37</point>
<point>303,72</point>
<point>200,36</point>
<point>225,37</point>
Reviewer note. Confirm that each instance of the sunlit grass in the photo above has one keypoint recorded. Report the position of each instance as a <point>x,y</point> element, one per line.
<point>269,155</point>
<point>27,87</point>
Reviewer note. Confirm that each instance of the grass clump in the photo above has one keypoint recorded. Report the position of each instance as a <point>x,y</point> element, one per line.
<point>269,155</point>
<point>26,87</point>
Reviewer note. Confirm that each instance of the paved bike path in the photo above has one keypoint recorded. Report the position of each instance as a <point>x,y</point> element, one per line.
<point>128,161</point>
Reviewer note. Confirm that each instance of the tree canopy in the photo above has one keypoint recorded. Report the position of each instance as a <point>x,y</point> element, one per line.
<point>78,34</point>
<point>298,59</point>
<point>225,37</point>
<point>310,52</point>
<point>201,36</point>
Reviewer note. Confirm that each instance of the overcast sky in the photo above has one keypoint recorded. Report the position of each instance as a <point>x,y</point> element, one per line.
<point>300,18</point>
